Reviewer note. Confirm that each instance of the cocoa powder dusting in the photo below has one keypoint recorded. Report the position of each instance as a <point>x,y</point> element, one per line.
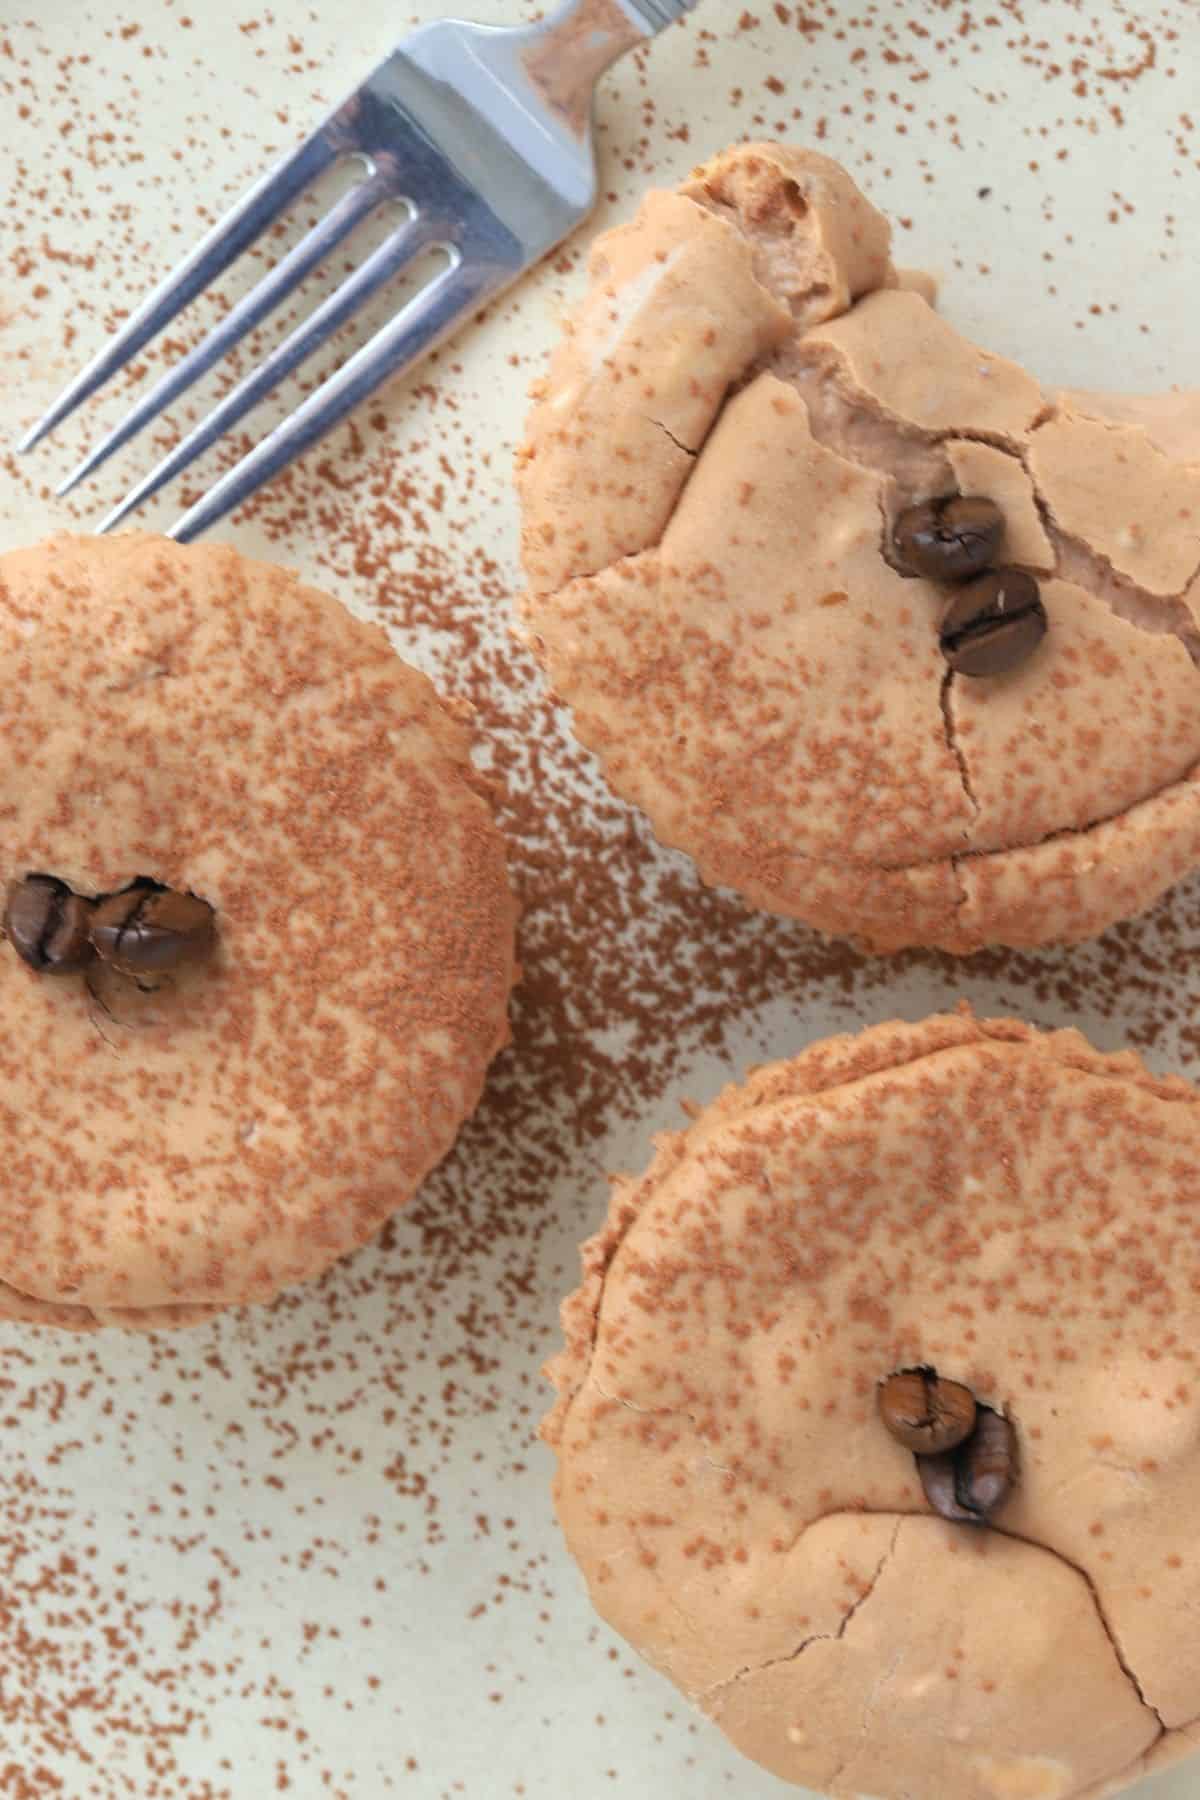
<point>310,1549</point>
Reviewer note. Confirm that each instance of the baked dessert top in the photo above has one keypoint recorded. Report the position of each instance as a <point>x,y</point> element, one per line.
<point>1018,1214</point>
<point>742,410</point>
<point>181,1143</point>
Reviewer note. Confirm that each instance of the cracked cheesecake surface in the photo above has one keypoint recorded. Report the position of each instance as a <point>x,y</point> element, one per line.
<point>742,406</point>
<point>1013,1209</point>
<point>204,720</point>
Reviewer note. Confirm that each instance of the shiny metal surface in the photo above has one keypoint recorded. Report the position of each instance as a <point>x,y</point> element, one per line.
<point>483,132</point>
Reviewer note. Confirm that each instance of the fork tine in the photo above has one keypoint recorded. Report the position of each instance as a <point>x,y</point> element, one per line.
<point>250,311</point>
<point>232,234</point>
<point>417,329</point>
<point>415,235</point>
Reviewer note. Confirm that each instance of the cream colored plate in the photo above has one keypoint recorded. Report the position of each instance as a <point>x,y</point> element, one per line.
<point>311,1551</point>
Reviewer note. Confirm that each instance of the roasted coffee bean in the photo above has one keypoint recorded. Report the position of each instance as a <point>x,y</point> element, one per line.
<point>969,1483</point>
<point>925,1413</point>
<point>992,625</point>
<point>47,924</point>
<point>147,930</point>
<point>987,1463</point>
<point>949,539</point>
<point>938,1480</point>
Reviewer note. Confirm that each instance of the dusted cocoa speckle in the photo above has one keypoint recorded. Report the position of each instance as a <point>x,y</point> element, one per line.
<point>215,1545</point>
<point>1008,1209</point>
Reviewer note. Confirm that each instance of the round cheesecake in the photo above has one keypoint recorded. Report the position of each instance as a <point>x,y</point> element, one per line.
<point>185,1134</point>
<point>978,1205</point>
<point>746,406</point>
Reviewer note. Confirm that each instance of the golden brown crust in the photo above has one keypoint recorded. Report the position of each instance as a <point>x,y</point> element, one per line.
<point>207,721</point>
<point>1088,469</point>
<point>674,316</point>
<point>816,241</point>
<point>1171,421</point>
<point>1016,1209</point>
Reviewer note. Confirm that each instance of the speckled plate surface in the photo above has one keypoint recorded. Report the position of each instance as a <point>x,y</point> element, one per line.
<point>311,1550</point>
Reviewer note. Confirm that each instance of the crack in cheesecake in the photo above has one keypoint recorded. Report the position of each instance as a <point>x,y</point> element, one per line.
<point>811,755</point>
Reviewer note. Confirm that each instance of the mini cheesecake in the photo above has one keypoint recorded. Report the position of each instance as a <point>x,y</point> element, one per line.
<point>747,406</point>
<point>260,931</point>
<point>878,1428</point>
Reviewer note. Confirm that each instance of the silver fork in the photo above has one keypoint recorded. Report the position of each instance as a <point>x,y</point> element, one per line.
<point>483,132</point>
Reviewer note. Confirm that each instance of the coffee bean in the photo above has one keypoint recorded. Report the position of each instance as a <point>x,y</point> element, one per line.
<point>987,1466</point>
<point>994,624</point>
<point>925,1413</point>
<point>967,1484</point>
<point>47,924</point>
<point>938,1480</point>
<point>949,539</point>
<point>146,929</point>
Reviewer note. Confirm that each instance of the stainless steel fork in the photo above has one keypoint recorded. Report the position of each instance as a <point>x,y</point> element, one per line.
<point>483,132</point>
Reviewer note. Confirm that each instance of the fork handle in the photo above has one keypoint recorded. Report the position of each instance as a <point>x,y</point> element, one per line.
<point>571,52</point>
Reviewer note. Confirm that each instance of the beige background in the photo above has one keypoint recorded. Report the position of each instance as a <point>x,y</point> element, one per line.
<point>311,1551</point>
